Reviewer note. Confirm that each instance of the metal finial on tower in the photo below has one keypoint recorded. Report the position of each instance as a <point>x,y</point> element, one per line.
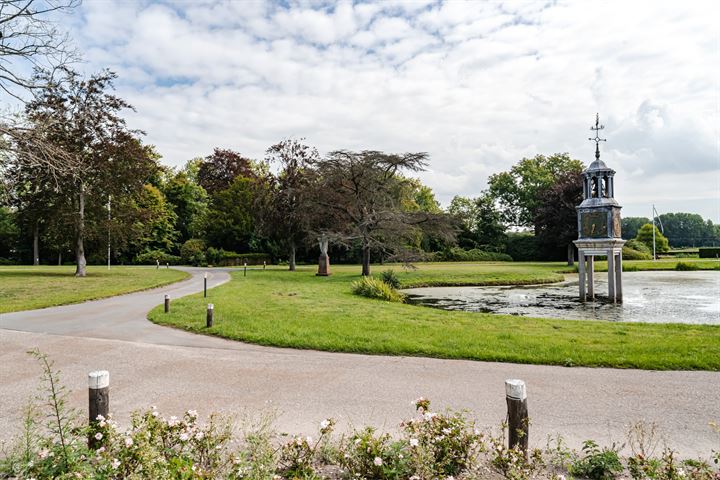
<point>597,138</point>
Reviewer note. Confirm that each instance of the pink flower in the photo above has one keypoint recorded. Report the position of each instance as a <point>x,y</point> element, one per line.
<point>377,462</point>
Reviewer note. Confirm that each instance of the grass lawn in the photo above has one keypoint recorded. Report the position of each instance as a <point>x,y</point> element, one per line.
<point>300,310</point>
<point>27,287</point>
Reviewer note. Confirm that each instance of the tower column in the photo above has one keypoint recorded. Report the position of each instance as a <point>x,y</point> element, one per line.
<point>611,275</point>
<point>618,277</point>
<point>581,274</point>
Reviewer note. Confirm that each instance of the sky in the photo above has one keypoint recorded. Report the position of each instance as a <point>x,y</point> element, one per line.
<point>477,85</point>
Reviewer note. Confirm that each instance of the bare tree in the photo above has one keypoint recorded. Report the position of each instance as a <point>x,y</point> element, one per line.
<point>30,41</point>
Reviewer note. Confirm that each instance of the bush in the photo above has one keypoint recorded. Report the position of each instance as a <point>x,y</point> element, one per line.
<point>456,254</point>
<point>684,266</point>
<point>523,247</point>
<point>151,257</point>
<point>367,455</point>
<point>391,278</point>
<point>193,252</point>
<point>375,288</point>
<point>635,244</point>
<point>632,254</point>
<point>709,252</point>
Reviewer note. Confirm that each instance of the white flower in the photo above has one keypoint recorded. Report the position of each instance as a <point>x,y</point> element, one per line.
<point>128,442</point>
<point>100,450</point>
<point>450,478</point>
<point>192,413</point>
<point>100,418</point>
<point>199,435</point>
<point>115,463</point>
<point>446,431</point>
<point>308,440</point>
<point>184,436</point>
<point>154,413</point>
<point>377,461</point>
<point>173,421</point>
<point>324,424</point>
<point>98,436</point>
<point>429,415</point>
<point>43,453</point>
<point>561,477</point>
<point>414,442</point>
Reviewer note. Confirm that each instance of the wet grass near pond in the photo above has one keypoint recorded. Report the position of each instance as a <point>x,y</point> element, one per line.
<point>300,310</point>
<point>29,287</point>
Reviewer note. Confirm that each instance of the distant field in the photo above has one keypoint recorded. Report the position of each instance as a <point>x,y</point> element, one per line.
<point>27,287</point>
<point>300,310</point>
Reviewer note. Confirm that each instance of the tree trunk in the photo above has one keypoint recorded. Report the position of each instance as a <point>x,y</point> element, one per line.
<point>80,270</point>
<point>366,261</point>
<point>36,243</point>
<point>292,257</point>
<point>570,255</point>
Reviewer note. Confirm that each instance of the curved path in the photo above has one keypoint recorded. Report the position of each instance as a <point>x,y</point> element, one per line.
<point>176,370</point>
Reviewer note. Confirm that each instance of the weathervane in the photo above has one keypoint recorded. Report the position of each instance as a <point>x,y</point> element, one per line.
<point>597,138</point>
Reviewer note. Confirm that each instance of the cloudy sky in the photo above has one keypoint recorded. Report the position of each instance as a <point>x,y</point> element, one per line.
<point>477,85</point>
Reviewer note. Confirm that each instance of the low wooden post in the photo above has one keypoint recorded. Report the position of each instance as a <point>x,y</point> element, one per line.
<point>98,401</point>
<point>245,268</point>
<point>518,421</point>
<point>205,286</point>
<point>167,303</point>
<point>157,264</point>
<point>264,264</point>
<point>167,265</point>
<point>210,314</point>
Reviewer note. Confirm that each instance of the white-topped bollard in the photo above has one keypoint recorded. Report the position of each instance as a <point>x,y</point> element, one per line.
<point>167,303</point>
<point>205,285</point>
<point>98,399</point>
<point>518,421</point>
<point>210,314</point>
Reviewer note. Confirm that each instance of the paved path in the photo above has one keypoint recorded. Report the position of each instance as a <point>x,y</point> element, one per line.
<point>176,370</point>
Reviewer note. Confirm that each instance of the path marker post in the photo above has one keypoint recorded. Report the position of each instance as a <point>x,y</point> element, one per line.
<point>518,421</point>
<point>210,314</point>
<point>205,286</point>
<point>245,268</point>
<point>98,401</point>
<point>167,303</point>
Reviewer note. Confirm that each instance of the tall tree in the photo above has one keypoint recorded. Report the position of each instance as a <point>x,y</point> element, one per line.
<point>519,191</point>
<point>645,235</point>
<point>687,229</point>
<point>358,198</point>
<point>285,206</point>
<point>556,217</point>
<point>189,200</point>
<point>629,226</point>
<point>481,222</point>
<point>104,157</point>
<point>230,222</point>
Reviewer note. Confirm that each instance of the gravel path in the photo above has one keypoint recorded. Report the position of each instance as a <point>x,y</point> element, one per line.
<point>175,370</point>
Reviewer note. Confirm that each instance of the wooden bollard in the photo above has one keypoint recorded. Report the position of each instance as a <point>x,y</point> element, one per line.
<point>167,265</point>
<point>210,311</point>
<point>205,286</point>
<point>167,303</point>
<point>245,268</point>
<point>98,400</point>
<point>264,264</point>
<point>518,421</point>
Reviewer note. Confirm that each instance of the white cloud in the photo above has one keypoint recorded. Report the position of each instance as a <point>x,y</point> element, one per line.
<point>478,85</point>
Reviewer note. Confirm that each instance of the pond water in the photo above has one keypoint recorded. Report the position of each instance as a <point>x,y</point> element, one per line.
<point>656,297</point>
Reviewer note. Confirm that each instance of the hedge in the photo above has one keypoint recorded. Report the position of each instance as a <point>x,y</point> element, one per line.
<point>153,256</point>
<point>475,255</point>
<point>709,252</point>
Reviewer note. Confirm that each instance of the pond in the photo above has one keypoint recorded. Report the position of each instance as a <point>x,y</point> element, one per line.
<point>656,297</point>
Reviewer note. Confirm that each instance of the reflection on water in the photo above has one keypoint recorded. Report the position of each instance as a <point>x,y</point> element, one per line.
<point>657,297</point>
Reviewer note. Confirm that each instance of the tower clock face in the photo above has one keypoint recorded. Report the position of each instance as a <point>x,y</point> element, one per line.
<point>594,225</point>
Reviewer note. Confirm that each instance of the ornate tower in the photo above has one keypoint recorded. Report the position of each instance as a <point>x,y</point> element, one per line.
<point>599,225</point>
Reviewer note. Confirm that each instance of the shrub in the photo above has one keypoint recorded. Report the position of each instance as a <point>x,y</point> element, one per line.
<point>709,252</point>
<point>635,244</point>
<point>456,254</point>
<point>523,247</point>
<point>375,288</point>
<point>391,278</point>
<point>597,463</point>
<point>367,455</point>
<point>193,252</point>
<point>632,254</point>
<point>151,257</point>
<point>685,266</point>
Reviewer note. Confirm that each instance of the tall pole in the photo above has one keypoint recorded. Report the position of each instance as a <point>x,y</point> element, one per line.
<point>108,254</point>
<point>653,224</point>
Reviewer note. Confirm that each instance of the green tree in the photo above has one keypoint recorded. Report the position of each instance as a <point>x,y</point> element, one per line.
<point>556,217</point>
<point>285,200</point>
<point>687,230</point>
<point>189,201</point>
<point>154,221</point>
<point>9,232</point>
<point>481,223</point>
<point>230,220</point>
<point>645,235</point>
<point>360,198</point>
<point>629,226</point>
<point>519,191</point>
